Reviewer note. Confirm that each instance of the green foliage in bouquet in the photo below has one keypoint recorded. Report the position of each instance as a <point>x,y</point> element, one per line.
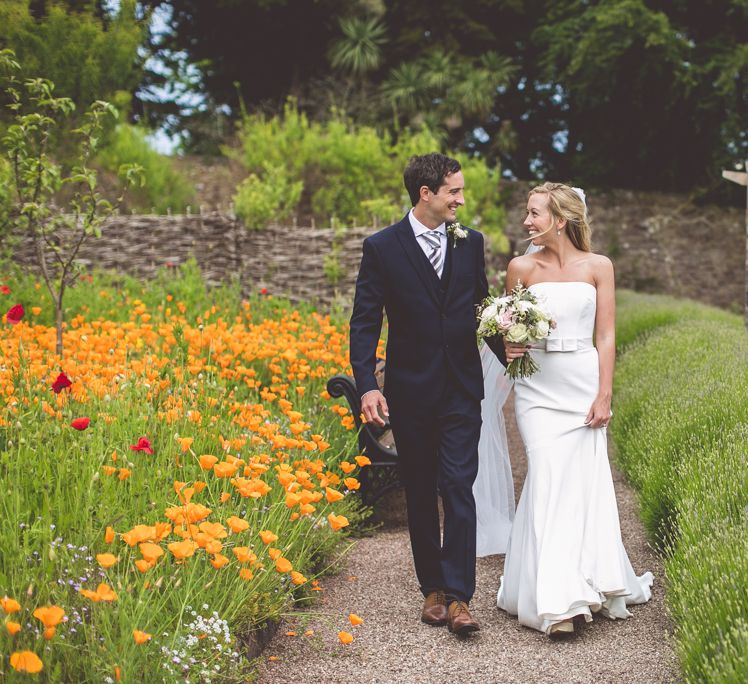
<point>337,170</point>
<point>680,427</point>
<point>165,188</point>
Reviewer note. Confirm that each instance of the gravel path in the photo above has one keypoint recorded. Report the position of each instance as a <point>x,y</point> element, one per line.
<point>378,583</point>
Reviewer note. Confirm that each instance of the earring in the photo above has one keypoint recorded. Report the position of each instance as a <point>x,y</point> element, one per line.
<point>558,231</point>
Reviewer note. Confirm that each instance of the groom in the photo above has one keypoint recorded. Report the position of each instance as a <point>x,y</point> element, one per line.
<point>427,273</point>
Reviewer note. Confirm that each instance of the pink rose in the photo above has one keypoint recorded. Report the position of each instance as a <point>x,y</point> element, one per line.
<point>506,319</point>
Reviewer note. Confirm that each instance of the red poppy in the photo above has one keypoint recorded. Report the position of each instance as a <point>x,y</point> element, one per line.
<point>61,383</point>
<point>15,314</point>
<point>144,444</point>
<point>81,423</point>
<point>4,289</point>
<point>264,291</point>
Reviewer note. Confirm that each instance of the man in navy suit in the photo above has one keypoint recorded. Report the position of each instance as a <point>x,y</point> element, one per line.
<point>427,273</point>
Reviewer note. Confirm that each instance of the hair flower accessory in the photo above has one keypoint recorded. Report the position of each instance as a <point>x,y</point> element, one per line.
<point>456,232</point>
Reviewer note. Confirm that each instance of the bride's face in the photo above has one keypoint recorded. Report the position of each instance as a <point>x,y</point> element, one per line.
<point>539,221</point>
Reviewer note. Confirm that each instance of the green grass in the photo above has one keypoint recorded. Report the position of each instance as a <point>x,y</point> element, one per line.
<point>681,435</point>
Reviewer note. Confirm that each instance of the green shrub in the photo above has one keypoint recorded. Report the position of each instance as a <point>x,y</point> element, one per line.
<point>681,435</point>
<point>272,197</point>
<point>349,173</point>
<point>165,187</point>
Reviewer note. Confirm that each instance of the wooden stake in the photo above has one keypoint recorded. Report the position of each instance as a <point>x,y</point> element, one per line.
<point>741,178</point>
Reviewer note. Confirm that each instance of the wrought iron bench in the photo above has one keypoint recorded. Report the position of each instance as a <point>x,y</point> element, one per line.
<point>377,443</point>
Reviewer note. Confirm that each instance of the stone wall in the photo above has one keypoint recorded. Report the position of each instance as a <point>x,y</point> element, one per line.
<point>658,242</point>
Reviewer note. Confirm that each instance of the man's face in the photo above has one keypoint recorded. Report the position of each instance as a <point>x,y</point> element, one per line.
<point>443,204</point>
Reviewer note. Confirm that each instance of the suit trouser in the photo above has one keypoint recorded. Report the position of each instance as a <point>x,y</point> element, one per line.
<point>438,452</point>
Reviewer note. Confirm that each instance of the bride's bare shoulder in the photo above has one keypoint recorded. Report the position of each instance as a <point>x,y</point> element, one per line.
<point>519,270</point>
<point>602,269</point>
<point>522,264</point>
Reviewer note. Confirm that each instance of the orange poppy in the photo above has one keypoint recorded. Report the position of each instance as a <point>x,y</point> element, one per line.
<point>352,483</point>
<point>283,565</point>
<point>207,461</point>
<point>150,552</point>
<point>355,619</point>
<point>140,637</point>
<point>218,561</point>
<point>237,524</point>
<point>363,461</point>
<point>9,605</point>
<point>347,467</point>
<point>12,627</point>
<point>143,565</point>
<point>103,593</point>
<point>213,546</point>
<point>297,578</point>
<point>337,521</point>
<point>345,637</point>
<point>109,535</point>
<point>213,529</point>
<point>26,661</point>
<point>50,616</point>
<point>268,537</point>
<point>244,554</point>
<point>184,549</point>
<point>333,495</point>
<point>185,443</point>
<point>106,560</point>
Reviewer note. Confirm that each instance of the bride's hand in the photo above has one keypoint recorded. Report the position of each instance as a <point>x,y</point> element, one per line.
<point>515,351</point>
<point>600,413</point>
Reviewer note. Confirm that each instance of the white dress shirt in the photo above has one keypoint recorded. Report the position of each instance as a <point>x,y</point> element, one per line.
<point>419,229</point>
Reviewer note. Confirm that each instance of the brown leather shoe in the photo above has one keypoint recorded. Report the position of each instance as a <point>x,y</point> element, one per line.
<point>434,609</point>
<point>459,619</point>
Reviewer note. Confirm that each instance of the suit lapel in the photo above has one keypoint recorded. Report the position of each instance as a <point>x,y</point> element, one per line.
<point>460,262</point>
<point>417,258</point>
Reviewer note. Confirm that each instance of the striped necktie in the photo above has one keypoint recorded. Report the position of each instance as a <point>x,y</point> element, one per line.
<point>434,243</point>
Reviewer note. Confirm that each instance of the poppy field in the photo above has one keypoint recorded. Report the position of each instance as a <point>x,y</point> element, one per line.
<point>177,479</point>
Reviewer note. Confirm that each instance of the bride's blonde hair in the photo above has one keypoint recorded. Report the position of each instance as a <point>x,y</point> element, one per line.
<point>564,203</point>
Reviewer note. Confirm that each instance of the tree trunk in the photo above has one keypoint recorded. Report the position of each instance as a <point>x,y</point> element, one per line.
<point>58,325</point>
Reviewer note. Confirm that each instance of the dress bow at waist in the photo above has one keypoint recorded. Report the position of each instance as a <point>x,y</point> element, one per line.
<point>564,344</point>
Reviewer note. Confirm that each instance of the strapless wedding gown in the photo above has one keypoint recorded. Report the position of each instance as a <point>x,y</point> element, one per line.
<point>565,554</point>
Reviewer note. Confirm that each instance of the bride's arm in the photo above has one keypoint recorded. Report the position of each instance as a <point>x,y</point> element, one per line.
<point>605,341</point>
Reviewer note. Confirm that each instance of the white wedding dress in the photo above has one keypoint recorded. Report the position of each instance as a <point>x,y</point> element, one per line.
<point>494,488</point>
<point>565,554</point>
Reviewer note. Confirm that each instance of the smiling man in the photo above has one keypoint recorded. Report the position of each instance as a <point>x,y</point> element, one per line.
<point>427,274</point>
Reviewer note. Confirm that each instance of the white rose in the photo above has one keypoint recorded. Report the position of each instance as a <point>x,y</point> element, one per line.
<point>523,306</point>
<point>542,329</point>
<point>489,312</point>
<point>517,333</point>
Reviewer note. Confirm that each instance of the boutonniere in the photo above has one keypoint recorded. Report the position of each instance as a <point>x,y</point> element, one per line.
<point>456,232</point>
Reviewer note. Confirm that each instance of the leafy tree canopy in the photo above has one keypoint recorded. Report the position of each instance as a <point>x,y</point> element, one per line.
<point>87,52</point>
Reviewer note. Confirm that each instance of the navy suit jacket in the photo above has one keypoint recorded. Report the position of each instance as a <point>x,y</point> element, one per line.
<point>432,322</point>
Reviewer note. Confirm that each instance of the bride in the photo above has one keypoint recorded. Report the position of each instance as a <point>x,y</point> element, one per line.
<point>565,559</point>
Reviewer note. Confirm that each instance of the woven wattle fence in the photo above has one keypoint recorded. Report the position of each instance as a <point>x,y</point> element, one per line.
<point>285,260</point>
<point>658,242</point>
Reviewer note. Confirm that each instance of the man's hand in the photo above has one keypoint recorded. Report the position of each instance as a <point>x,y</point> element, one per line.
<point>372,404</point>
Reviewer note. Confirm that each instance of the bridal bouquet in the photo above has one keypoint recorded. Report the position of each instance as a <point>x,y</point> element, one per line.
<point>518,318</point>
